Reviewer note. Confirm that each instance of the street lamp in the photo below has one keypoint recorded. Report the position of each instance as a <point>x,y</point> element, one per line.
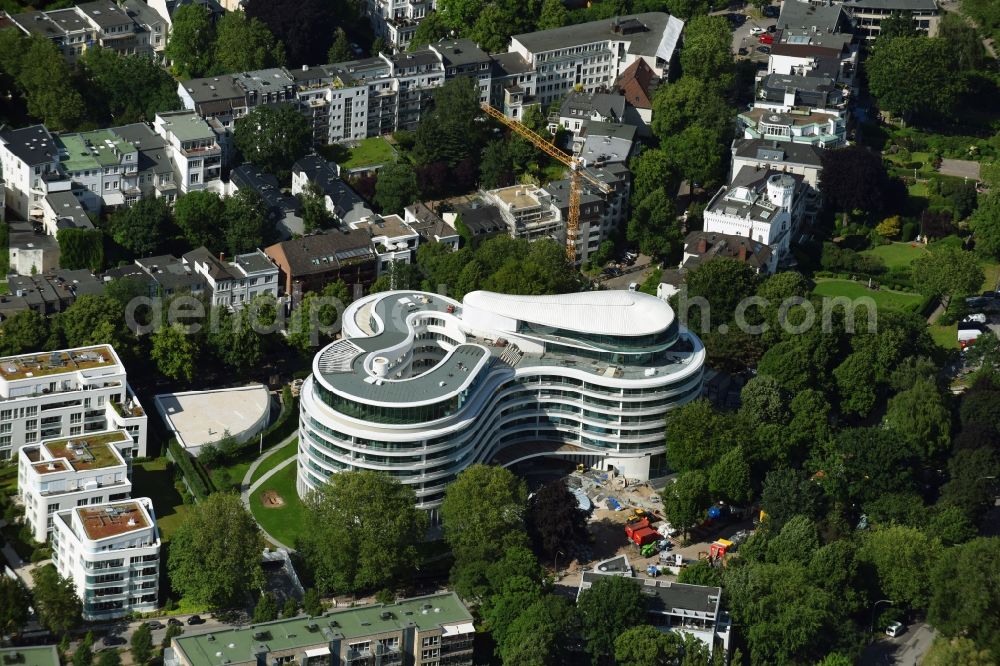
<point>871,628</point>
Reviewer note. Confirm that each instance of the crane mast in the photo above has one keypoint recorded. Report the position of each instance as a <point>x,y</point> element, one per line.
<point>575,167</point>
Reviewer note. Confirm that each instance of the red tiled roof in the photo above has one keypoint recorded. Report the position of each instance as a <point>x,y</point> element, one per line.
<point>635,84</point>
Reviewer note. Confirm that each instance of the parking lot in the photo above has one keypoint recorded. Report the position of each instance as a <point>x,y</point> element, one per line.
<point>743,37</point>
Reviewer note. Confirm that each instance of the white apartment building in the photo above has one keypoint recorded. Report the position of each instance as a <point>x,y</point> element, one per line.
<point>761,205</point>
<point>193,149</point>
<point>67,393</point>
<point>61,474</point>
<point>103,168</point>
<point>394,240</point>
<point>592,55</point>
<point>395,21</point>
<point>235,283</point>
<point>825,130</point>
<point>528,211</point>
<point>29,160</point>
<point>111,552</point>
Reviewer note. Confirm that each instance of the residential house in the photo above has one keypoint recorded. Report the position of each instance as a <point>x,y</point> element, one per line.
<point>702,246</point>
<point>824,17</point>
<point>311,262</point>
<point>638,85</point>
<point>111,552</point>
<point>29,161</point>
<point>430,226</point>
<point>463,57</point>
<point>592,55</point>
<point>824,130</point>
<point>527,212</point>
<point>601,213</point>
<point>230,96</point>
<point>30,249</point>
<point>60,474</point>
<point>807,53</point>
<point>392,239</point>
<point>786,92</point>
<point>801,159</point>
<point>868,14</point>
<point>192,149</point>
<point>283,209</point>
<point>341,201</point>
<point>476,221</point>
<point>47,293</point>
<point>62,210</point>
<point>236,283</point>
<point>603,143</point>
<point>166,8</point>
<point>395,21</point>
<point>580,108</point>
<point>67,393</point>
<point>168,276</point>
<point>155,174</point>
<point>102,167</point>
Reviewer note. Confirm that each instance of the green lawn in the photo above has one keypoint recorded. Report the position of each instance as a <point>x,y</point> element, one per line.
<point>897,255</point>
<point>884,298</point>
<point>273,460</point>
<point>992,273</point>
<point>372,151</point>
<point>152,479</point>
<point>287,522</point>
<point>945,336</point>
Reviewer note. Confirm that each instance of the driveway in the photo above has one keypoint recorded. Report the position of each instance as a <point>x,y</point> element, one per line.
<point>905,650</point>
<point>743,39</point>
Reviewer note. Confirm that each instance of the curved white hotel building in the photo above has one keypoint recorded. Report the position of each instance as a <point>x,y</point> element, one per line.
<point>421,386</point>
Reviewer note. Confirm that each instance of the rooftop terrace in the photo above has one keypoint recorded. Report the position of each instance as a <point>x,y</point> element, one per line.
<point>89,451</point>
<point>56,362</point>
<point>106,521</point>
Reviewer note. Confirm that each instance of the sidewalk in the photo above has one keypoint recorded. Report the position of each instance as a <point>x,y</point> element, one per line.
<point>21,568</point>
<point>246,489</point>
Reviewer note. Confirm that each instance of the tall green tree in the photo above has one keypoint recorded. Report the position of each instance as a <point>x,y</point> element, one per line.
<point>247,226</point>
<point>233,339</point>
<point>646,645</point>
<point>396,187</point>
<point>46,81</point>
<point>900,557</point>
<point>126,88</point>
<point>141,645</point>
<point>192,38</point>
<point>313,319</point>
<point>93,320</point>
<point>81,248</point>
<point>174,352</point>
<point>706,54</point>
<point>340,50</point>
<point>244,43</point>
<point>15,601</point>
<point>921,416</point>
<point>853,178</point>
<point>985,224</point>
<point>965,42</point>
<point>555,520</point>
<point>198,215</point>
<point>55,601</point>
<point>957,652</point>
<point>273,137</point>
<point>686,500</point>
<point>451,131</point>
<point>363,545</point>
<point>949,272</point>
<point>688,101</point>
<point>23,332</point>
<point>554,15</point>
<point>723,282</point>
<point>142,227</point>
<point>214,555</point>
<point>315,215</point>
<point>266,609</point>
<point>654,226</point>
<point>651,171</point>
<point>607,608</point>
<point>697,154</point>
<point>547,632</point>
<point>84,653</point>
<point>915,76</point>
<point>497,166</point>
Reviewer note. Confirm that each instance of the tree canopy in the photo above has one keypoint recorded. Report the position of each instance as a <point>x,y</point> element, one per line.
<point>192,37</point>
<point>915,76</point>
<point>607,608</point>
<point>55,600</point>
<point>244,43</point>
<point>273,137</point>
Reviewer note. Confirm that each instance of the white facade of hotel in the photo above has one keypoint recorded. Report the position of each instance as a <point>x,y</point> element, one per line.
<point>421,386</point>
<point>112,554</point>
<point>49,481</point>
<point>67,393</point>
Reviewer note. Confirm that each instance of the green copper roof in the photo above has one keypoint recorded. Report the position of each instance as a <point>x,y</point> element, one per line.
<point>43,655</point>
<point>93,150</point>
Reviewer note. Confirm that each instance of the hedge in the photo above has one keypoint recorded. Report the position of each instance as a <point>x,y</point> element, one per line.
<point>197,478</point>
<point>283,426</point>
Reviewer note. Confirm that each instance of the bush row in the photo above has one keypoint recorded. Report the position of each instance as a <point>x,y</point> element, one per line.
<point>197,478</point>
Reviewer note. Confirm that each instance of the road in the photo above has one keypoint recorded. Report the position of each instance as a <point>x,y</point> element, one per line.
<point>905,650</point>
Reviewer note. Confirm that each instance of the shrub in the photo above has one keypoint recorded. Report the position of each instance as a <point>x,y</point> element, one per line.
<point>909,232</point>
<point>889,227</point>
<point>195,475</point>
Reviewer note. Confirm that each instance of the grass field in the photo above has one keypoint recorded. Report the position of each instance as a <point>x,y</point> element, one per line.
<point>372,151</point>
<point>992,276</point>
<point>884,298</point>
<point>275,459</point>
<point>152,479</point>
<point>287,522</point>
<point>897,255</point>
<point>944,336</point>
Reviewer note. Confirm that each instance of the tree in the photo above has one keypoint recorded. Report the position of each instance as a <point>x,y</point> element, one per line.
<point>142,227</point>
<point>55,601</point>
<point>214,555</point>
<point>707,54</point>
<point>482,500</point>
<point>723,282</point>
<point>688,101</point>
<point>607,608</point>
<point>172,632</point>
<point>340,50</point>
<point>493,27</point>
<point>948,272</point>
<point>111,658</point>
<point>198,214</point>
<point>233,339</point>
<point>127,88</point>
<point>459,14</point>
<point>307,28</point>
<point>92,320</point>
<point>547,632</point>
<point>505,605</point>
<point>889,227</point>
<point>15,601</point>
<point>497,166</point>
<point>46,81</point>
<point>450,131</point>
<point>900,556</point>
<point>969,486</point>
<point>315,215</point>
<point>273,137</point>
<point>957,652</point>
<point>697,154</point>
<point>173,352</point>
<point>965,43</point>
<point>696,436</point>
<point>853,178</point>
<point>84,653</point>
<point>80,249</point>
<point>761,400</point>
<point>23,332</point>
<point>266,609</point>
<point>729,478</point>
<point>244,43</point>
<point>555,519</point>
<point>141,645</point>
<point>915,76</point>
<point>646,645</point>
<point>787,493</point>
<point>897,24</point>
<point>701,572</point>
<point>686,9</point>
<point>651,171</point>
<point>192,36</point>
<point>686,500</point>
<point>654,226</point>
<point>313,319</point>
<point>291,607</point>
<point>364,545</point>
<point>396,187</point>
<point>554,15</point>
<point>312,603</point>
<point>985,224</point>
<point>871,462</point>
<point>246,220</point>
<point>920,415</point>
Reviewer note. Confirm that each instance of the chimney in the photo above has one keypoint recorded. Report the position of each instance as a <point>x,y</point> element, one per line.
<point>702,246</point>
<point>743,252</point>
<point>222,256</point>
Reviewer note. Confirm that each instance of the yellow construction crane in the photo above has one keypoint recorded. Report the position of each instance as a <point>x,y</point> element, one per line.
<point>576,168</point>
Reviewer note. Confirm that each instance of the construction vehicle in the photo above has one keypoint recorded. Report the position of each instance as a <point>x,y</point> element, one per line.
<point>640,533</point>
<point>577,170</point>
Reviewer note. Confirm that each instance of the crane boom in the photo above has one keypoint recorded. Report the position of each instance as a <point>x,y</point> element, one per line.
<point>576,173</point>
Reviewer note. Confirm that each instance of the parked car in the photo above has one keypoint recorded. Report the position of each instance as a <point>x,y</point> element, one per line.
<point>112,641</point>
<point>895,629</point>
<point>633,286</point>
<point>772,11</point>
<point>743,51</point>
<point>766,39</point>
<point>195,619</point>
<point>174,622</point>
<point>155,624</point>
<point>757,30</point>
<point>978,318</point>
<point>766,50</point>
